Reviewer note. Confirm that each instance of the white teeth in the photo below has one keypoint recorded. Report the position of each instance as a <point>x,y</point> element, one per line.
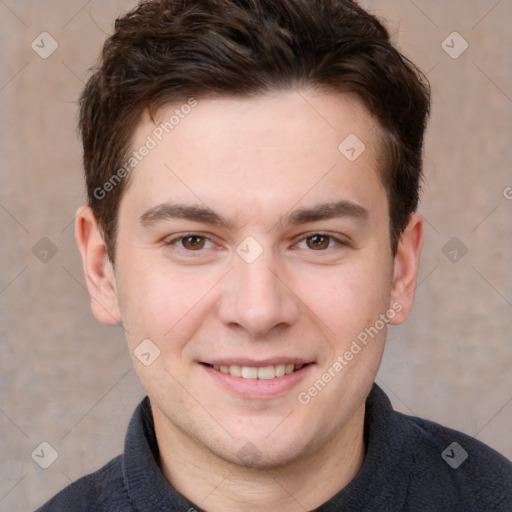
<point>249,372</point>
<point>266,372</point>
<point>235,370</point>
<point>280,370</point>
<point>261,372</point>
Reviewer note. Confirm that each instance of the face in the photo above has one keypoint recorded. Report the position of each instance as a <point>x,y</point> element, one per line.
<point>256,258</point>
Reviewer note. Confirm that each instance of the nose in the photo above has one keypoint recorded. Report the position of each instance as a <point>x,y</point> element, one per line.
<point>255,298</point>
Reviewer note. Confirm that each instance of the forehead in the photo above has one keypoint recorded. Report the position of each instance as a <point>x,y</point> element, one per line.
<point>272,149</point>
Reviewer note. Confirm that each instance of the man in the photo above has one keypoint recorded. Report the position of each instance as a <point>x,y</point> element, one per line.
<point>253,171</point>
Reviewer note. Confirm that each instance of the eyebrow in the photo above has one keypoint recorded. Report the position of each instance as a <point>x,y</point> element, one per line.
<point>168,211</point>
<point>325,211</point>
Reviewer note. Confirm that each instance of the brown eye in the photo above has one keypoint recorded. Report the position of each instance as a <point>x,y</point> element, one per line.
<point>318,242</point>
<point>193,242</point>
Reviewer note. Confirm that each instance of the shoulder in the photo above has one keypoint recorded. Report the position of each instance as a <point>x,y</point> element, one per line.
<point>101,491</point>
<point>462,471</point>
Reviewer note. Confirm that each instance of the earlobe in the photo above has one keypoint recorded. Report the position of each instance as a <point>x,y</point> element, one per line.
<point>98,269</point>
<point>406,267</point>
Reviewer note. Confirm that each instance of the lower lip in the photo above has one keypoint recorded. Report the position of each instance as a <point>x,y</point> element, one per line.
<point>259,388</point>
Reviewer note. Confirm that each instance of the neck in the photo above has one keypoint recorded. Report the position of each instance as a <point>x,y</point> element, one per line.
<point>217,485</point>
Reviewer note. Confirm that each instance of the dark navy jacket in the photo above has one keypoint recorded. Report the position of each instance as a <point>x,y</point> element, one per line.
<point>411,464</point>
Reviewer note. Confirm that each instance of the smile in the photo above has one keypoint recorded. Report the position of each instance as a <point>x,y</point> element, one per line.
<point>257,372</point>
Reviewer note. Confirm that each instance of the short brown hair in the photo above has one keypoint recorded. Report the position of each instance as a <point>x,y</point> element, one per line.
<point>167,51</point>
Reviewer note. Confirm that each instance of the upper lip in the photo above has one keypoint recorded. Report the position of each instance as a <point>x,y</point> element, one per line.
<point>244,361</point>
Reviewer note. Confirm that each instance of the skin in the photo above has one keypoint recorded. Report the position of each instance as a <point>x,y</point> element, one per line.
<point>253,161</point>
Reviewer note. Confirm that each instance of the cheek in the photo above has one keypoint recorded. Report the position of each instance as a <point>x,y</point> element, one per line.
<point>348,298</point>
<point>156,301</point>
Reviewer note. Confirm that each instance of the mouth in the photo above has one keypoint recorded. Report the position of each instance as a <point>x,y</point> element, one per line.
<point>267,372</point>
<point>258,380</point>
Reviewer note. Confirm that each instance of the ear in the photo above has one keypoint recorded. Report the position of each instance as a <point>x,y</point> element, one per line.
<point>98,269</point>
<point>405,273</point>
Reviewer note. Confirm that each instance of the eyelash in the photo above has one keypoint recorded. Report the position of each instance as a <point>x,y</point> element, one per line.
<point>331,238</point>
<point>180,238</point>
<point>174,241</point>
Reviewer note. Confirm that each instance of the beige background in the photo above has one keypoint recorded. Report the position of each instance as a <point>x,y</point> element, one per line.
<point>67,380</point>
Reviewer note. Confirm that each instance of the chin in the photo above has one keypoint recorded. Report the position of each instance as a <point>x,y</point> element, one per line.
<point>251,457</point>
<point>264,454</point>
